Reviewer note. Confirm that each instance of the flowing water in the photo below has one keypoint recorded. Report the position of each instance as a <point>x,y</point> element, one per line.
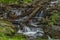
<point>33,30</point>
<point>49,38</point>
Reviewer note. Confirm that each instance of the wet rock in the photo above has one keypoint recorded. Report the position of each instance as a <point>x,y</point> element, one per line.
<point>52,32</point>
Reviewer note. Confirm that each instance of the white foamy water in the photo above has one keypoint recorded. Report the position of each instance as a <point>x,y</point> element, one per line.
<point>32,31</point>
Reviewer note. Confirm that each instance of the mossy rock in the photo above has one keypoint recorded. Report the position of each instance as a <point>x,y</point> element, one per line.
<point>7,27</point>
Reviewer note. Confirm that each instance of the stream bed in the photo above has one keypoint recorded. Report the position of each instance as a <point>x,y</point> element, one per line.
<point>34,27</point>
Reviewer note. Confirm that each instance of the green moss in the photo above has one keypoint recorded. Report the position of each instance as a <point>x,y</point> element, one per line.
<point>27,1</point>
<point>16,37</point>
<point>55,16</point>
<point>7,27</point>
<point>14,1</point>
<point>41,38</point>
<point>9,1</point>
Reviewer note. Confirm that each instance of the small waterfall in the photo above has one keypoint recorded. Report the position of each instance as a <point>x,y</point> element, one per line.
<point>26,29</point>
<point>39,15</point>
<point>16,11</point>
<point>49,38</point>
<point>36,19</point>
<point>19,31</point>
<point>31,31</point>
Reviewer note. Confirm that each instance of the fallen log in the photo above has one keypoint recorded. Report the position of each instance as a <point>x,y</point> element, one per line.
<point>39,7</point>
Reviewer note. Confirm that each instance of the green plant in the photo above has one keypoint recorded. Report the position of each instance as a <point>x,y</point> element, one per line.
<point>55,16</point>
<point>16,37</point>
<point>27,1</point>
<point>7,27</point>
<point>41,38</point>
<point>9,1</point>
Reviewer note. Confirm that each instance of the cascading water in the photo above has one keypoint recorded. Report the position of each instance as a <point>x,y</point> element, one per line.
<point>49,38</point>
<point>39,15</point>
<point>35,20</point>
<point>35,30</point>
<point>32,31</point>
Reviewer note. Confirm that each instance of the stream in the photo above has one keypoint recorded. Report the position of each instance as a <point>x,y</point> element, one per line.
<point>32,29</point>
